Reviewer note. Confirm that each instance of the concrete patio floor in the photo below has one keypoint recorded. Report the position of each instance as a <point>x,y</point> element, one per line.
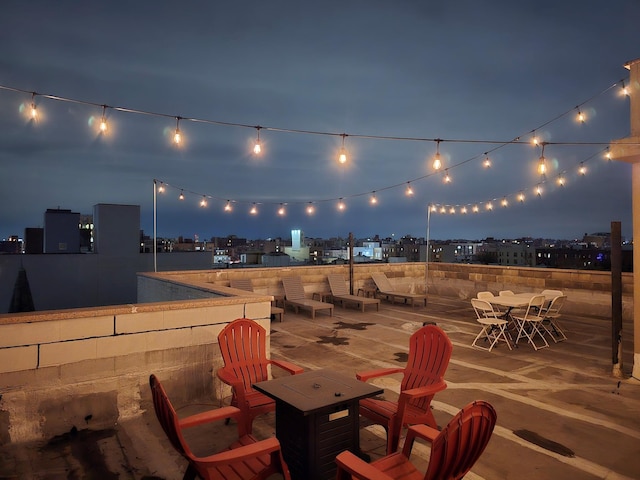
<point>560,412</point>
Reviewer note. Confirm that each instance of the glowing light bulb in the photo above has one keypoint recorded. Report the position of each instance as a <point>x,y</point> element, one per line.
<point>341,205</point>
<point>203,202</point>
<point>443,210</point>
<point>607,155</point>
<point>539,190</point>
<point>505,202</point>
<point>580,117</point>
<point>463,210</point>
<point>342,156</point>
<point>489,206</point>
<point>521,197</point>
<point>475,209</point>
<point>447,178</point>
<point>582,170</point>
<point>103,124</point>
<point>310,209</point>
<point>161,188</point>
<point>373,200</point>
<point>542,167</point>
<point>34,111</point>
<point>452,210</point>
<point>437,163</point>
<point>409,191</point>
<point>177,137</point>
<point>624,90</point>
<point>281,210</point>
<point>227,207</point>
<point>487,162</point>
<point>254,210</point>
<point>257,148</point>
<point>434,208</point>
<point>181,196</point>
<point>561,181</point>
<point>534,140</point>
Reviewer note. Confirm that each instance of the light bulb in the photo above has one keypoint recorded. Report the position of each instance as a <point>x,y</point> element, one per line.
<point>447,178</point>
<point>409,191</point>
<point>227,207</point>
<point>521,197</point>
<point>437,163</point>
<point>373,200</point>
<point>463,210</point>
<point>534,140</point>
<point>561,181</point>
<point>161,187</point>
<point>582,170</point>
<point>542,167</point>
<point>341,205</point>
<point>452,210</point>
<point>254,210</point>
<point>177,137</point>
<point>342,158</point>
<point>580,117</point>
<point>487,162</point>
<point>310,209</point>
<point>103,124</point>
<point>181,196</point>
<point>539,190</point>
<point>489,206</point>
<point>281,210</point>
<point>34,111</point>
<point>257,148</point>
<point>203,202</point>
<point>475,209</point>
<point>504,202</point>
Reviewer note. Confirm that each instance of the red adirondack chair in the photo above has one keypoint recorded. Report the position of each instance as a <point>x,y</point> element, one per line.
<point>423,377</point>
<point>243,344</point>
<point>246,459</point>
<point>454,450</point>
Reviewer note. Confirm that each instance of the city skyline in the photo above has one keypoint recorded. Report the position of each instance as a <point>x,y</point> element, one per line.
<point>384,81</point>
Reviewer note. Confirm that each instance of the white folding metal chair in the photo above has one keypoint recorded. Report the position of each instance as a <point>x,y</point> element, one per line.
<point>493,325</point>
<point>530,324</point>
<point>550,322</point>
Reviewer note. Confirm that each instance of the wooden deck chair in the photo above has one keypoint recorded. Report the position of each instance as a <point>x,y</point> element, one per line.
<point>243,344</point>
<point>386,289</point>
<point>247,458</point>
<point>423,377</point>
<point>550,322</point>
<point>340,294</point>
<point>294,296</point>
<point>454,450</point>
<point>493,325</point>
<point>247,284</point>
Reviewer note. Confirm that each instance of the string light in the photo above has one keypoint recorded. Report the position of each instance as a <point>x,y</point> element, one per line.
<point>582,169</point>
<point>447,178</point>
<point>341,205</point>
<point>203,202</point>
<point>539,190</point>
<point>228,207</point>
<point>580,117</point>
<point>311,209</point>
<point>373,200</point>
<point>542,167</point>
<point>561,181</point>
<point>409,191</point>
<point>103,120</point>
<point>434,208</point>
<point>607,155</point>
<point>254,209</point>
<point>443,209</point>
<point>342,157</point>
<point>489,206</point>
<point>487,161</point>
<point>281,210</point>
<point>257,148</point>
<point>177,136</point>
<point>534,139</point>
<point>33,111</point>
<point>161,188</point>
<point>452,210</point>
<point>475,209</point>
<point>437,162</point>
<point>504,202</point>
<point>463,210</point>
<point>521,197</point>
<point>624,90</point>
<point>181,196</point>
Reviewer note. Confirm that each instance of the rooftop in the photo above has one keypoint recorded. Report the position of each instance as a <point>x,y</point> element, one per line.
<point>561,414</point>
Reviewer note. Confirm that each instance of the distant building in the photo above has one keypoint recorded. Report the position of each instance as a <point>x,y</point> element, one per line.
<point>61,232</point>
<point>33,240</point>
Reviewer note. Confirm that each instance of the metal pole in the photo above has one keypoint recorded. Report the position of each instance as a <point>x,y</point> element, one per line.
<point>350,263</point>
<point>616,298</point>
<point>426,263</point>
<point>155,227</point>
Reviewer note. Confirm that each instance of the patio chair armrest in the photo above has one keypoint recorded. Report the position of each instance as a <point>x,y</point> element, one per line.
<point>230,379</point>
<point>424,391</point>
<point>422,431</point>
<point>381,372</point>
<point>287,366</point>
<point>209,416</point>
<point>358,468</point>
<point>252,450</point>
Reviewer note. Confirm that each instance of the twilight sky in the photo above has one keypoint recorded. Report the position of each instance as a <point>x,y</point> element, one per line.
<point>392,76</point>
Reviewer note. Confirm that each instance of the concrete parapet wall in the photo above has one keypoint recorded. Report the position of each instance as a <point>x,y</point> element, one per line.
<point>86,367</point>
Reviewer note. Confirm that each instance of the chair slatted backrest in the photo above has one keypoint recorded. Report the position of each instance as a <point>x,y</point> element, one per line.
<point>535,307</point>
<point>382,282</point>
<point>293,288</point>
<point>242,284</point>
<point>243,344</point>
<point>483,308</point>
<point>429,354</point>
<point>337,285</point>
<point>459,445</point>
<point>556,305</point>
<point>167,417</point>
<point>485,295</point>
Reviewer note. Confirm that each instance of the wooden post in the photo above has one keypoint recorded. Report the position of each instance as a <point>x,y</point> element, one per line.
<point>616,298</point>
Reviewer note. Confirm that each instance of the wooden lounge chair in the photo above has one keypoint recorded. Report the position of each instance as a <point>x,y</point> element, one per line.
<point>391,293</point>
<point>247,284</point>
<point>294,296</point>
<point>340,294</point>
